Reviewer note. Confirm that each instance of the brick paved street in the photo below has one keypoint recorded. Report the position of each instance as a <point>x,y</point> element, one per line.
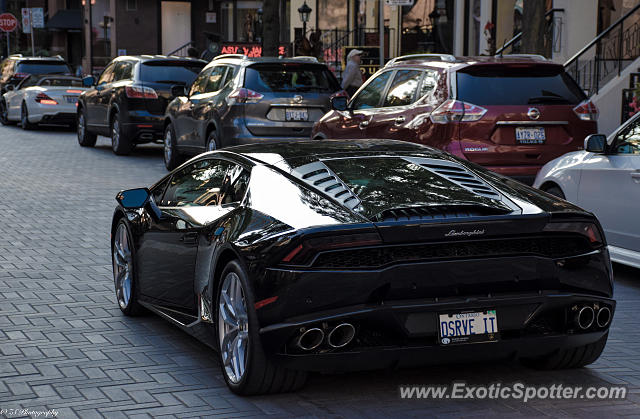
<point>64,344</point>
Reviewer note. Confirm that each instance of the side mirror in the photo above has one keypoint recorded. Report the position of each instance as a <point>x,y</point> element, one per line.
<point>178,90</point>
<point>339,103</point>
<point>10,87</point>
<point>88,81</point>
<point>133,198</point>
<point>595,143</point>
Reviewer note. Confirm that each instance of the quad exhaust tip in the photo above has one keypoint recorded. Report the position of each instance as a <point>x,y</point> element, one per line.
<point>604,317</point>
<point>310,339</point>
<point>341,335</point>
<point>585,317</point>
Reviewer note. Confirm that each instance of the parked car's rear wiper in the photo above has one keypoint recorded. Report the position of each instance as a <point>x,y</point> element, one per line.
<point>543,99</point>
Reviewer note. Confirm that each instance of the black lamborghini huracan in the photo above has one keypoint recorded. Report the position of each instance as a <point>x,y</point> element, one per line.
<point>344,255</point>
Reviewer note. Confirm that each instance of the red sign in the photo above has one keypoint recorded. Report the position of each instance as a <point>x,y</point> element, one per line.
<point>8,22</point>
<point>250,50</point>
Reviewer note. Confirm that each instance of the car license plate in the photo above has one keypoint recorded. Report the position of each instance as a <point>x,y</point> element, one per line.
<point>534,135</point>
<point>296,115</point>
<point>468,327</point>
<point>71,99</point>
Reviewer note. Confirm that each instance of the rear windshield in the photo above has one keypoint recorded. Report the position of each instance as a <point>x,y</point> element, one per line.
<point>170,72</point>
<point>61,82</point>
<point>501,85</point>
<point>290,77</point>
<point>43,67</point>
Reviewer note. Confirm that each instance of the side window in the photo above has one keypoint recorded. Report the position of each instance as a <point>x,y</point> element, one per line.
<point>198,184</point>
<point>107,74</point>
<point>214,81</point>
<point>429,82</point>
<point>370,96</point>
<point>158,191</point>
<point>628,141</point>
<point>123,71</point>
<point>200,83</point>
<point>235,185</point>
<point>28,82</point>
<point>403,88</point>
<point>231,73</point>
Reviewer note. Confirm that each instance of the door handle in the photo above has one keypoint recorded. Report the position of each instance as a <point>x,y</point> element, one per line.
<point>189,238</point>
<point>400,120</point>
<point>363,124</point>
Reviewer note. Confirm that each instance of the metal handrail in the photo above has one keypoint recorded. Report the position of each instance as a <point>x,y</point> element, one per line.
<point>602,35</point>
<point>188,44</point>
<point>519,34</point>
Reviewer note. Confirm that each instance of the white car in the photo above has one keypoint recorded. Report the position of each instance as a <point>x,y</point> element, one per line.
<point>42,99</point>
<point>604,178</point>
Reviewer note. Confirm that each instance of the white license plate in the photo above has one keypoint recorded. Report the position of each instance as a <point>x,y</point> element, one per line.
<point>71,99</point>
<point>530,135</point>
<point>296,115</point>
<point>468,327</point>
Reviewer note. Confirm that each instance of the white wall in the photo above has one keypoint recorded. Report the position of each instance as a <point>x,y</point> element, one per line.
<point>579,26</point>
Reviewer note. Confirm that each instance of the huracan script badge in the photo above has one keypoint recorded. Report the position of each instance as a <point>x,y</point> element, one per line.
<point>454,233</point>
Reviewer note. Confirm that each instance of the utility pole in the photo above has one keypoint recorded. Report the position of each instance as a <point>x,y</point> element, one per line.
<point>33,44</point>
<point>381,31</point>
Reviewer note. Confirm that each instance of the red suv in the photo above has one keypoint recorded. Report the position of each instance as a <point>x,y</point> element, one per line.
<point>510,114</point>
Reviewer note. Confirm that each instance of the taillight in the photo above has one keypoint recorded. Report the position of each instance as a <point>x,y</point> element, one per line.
<point>301,254</point>
<point>589,230</point>
<point>457,111</point>
<point>20,76</point>
<point>587,111</point>
<point>74,91</point>
<point>244,95</point>
<point>43,99</point>
<point>140,92</point>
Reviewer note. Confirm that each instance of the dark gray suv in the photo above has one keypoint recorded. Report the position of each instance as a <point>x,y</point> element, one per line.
<point>239,100</point>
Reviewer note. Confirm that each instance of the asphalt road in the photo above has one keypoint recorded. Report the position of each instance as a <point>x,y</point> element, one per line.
<point>64,344</point>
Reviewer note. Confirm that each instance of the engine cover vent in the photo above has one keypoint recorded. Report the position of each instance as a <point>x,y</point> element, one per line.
<point>320,177</point>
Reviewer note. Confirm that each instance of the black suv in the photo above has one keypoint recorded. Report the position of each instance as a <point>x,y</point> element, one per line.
<point>240,100</point>
<point>16,68</point>
<point>128,100</point>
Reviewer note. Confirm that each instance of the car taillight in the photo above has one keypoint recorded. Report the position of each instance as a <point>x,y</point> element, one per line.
<point>587,111</point>
<point>20,76</point>
<point>302,253</point>
<point>457,111</point>
<point>74,91</point>
<point>140,92</point>
<point>43,99</point>
<point>589,230</point>
<point>244,95</point>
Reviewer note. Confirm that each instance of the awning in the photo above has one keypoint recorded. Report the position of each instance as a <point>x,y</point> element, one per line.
<point>66,19</point>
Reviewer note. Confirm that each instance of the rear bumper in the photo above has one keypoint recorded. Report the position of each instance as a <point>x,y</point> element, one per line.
<point>67,118</point>
<point>143,127</point>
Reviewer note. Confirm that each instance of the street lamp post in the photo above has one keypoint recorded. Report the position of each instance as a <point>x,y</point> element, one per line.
<point>304,11</point>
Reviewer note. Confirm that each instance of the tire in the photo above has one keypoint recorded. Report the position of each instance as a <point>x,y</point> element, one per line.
<point>171,156</point>
<point>85,138</point>
<point>260,375</point>
<point>4,118</point>
<point>124,272</point>
<point>213,143</point>
<point>120,143</point>
<point>555,191</point>
<point>24,118</point>
<point>569,358</point>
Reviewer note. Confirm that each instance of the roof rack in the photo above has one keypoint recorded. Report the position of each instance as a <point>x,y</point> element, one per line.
<point>15,55</point>
<point>536,56</point>
<point>442,57</point>
<point>309,58</point>
<point>220,57</point>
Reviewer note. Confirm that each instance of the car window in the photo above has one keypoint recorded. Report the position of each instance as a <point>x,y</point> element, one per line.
<point>290,77</point>
<point>429,82</point>
<point>370,96</point>
<point>234,185</point>
<point>198,184</point>
<point>43,67</point>
<point>61,82</point>
<point>200,82</point>
<point>215,78</point>
<point>107,74</point>
<point>28,82</point>
<point>403,88</point>
<point>628,141</point>
<point>123,71</point>
<point>170,72</point>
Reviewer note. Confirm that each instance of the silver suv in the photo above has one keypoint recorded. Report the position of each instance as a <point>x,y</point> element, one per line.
<point>240,100</point>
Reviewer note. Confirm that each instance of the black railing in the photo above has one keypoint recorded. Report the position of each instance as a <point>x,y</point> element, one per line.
<point>182,51</point>
<point>552,34</point>
<point>608,54</point>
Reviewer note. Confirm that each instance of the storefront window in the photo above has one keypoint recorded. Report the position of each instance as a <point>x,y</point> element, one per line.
<point>248,22</point>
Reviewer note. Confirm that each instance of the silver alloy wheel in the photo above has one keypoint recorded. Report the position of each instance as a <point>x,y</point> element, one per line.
<point>81,125</point>
<point>122,266</point>
<point>233,327</point>
<point>211,145</point>
<point>115,134</point>
<point>168,144</point>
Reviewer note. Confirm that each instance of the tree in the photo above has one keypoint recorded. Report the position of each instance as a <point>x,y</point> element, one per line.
<point>270,28</point>
<point>533,27</point>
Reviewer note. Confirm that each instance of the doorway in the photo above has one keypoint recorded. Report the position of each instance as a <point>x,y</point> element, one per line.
<point>176,25</point>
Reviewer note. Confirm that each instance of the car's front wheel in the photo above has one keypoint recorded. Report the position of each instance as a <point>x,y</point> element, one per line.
<point>85,138</point>
<point>172,158</point>
<point>245,366</point>
<point>569,358</point>
<point>121,144</point>
<point>122,253</point>
<point>213,143</point>
<point>24,118</point>
<point>555,191</point>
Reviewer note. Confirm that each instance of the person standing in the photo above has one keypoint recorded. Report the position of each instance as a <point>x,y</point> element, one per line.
<point>352,77</point>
